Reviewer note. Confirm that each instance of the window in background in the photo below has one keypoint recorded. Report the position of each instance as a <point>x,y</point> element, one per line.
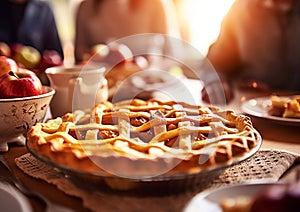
<point>64,11</point>
<point>201,19</point>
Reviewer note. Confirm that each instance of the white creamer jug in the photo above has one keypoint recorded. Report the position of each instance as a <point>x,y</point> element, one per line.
<point>77,87</point>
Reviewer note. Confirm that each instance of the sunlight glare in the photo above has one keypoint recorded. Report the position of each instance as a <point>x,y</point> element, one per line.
<point>204,18</point>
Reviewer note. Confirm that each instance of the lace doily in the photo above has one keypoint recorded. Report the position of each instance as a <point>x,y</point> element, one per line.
<point>267,165</point>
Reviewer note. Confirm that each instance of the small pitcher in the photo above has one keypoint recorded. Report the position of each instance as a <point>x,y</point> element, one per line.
<point>77,87</point>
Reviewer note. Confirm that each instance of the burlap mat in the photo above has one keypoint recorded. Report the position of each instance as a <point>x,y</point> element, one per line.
<point>267,165</point>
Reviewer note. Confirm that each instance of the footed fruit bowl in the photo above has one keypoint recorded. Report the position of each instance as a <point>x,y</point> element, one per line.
<point>17,115</point>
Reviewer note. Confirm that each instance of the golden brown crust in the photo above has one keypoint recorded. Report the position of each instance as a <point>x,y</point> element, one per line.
<point>144,138</point>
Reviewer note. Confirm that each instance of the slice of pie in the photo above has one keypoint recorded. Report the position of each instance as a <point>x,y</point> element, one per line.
<point>285,107</point>
<point>139,139</point>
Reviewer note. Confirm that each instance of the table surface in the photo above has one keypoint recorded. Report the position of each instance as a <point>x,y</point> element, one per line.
<point>275,136</point>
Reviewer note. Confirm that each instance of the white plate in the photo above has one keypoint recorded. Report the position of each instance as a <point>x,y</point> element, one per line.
<point>209,201</point>
<point>12,200</point>
<point>258,107</point>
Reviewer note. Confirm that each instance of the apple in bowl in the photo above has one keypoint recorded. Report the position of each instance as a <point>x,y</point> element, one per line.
<point>23,102</point>
<point>17,82</point>
<point>20,84</point>
<point>5,49</point>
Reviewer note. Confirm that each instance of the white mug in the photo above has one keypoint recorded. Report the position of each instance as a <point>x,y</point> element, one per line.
<point>77,87</point>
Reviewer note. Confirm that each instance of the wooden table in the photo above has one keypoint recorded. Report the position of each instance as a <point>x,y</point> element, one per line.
<point>275,136</point>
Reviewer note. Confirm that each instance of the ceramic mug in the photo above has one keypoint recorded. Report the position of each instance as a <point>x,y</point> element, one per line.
<point>77,87</point>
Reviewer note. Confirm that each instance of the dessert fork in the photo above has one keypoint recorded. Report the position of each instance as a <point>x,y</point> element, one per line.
<point>8,177</point>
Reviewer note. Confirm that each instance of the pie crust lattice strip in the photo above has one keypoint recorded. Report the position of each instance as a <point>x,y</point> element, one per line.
<point>140,139</point>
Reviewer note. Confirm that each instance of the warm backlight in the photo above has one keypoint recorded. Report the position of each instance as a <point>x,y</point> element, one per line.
<point>204,18</point>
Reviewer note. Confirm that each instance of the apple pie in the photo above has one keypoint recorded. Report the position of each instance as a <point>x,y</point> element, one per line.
<point>137,138</point>
<point>285,107</point>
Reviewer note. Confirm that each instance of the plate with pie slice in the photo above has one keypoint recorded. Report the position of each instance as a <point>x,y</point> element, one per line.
<point>136,143</point>
<point>237,197</point>
<point>281,109</point>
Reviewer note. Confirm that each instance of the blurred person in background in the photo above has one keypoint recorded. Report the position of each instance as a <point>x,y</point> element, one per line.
<point>259,42</point>
<point>31,23</point>
<point>103,21</point>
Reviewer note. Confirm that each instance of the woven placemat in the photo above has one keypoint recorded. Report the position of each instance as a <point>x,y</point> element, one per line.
<point>266,165</point>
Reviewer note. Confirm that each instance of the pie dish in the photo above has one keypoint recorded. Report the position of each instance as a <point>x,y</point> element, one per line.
<point>145,139</point>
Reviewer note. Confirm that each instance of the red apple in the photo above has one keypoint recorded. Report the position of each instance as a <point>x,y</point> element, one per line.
<point>6,65</point>
<point>21,83</point>
<point>5,49</point>
<point>49,59</point>
<point>15,47</point>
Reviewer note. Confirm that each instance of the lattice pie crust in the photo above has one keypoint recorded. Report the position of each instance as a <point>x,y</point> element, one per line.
<point>139,138</point>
